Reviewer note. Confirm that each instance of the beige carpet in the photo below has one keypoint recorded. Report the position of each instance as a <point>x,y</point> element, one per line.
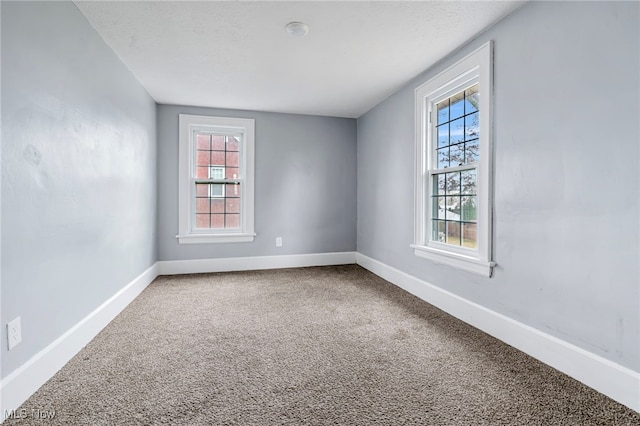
<point>310,346</point>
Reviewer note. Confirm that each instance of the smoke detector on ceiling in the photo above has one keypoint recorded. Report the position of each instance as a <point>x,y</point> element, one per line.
<point>297,29</point>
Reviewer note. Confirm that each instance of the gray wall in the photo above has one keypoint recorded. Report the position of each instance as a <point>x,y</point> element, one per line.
<point>305,185</point>
<point>78,168</point>
<point>566,176</point>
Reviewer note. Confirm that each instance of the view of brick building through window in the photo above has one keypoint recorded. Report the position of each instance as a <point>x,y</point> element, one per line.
<point>217,185</point>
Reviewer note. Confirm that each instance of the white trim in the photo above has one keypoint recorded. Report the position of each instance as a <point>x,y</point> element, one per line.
<point>20,384</point>
<point>617,382</point>
<point>213,238</point>
<point>455,260</point>
<point>173,267</point>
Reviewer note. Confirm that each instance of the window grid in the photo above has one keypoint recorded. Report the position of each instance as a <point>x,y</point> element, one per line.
<point>455,208</point>
<point>457,131</point>
<point>216,152</point>
<point>454,197</point>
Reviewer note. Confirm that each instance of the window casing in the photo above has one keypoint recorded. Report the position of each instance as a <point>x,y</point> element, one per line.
<point>453,165</point>
<point>216,161</point>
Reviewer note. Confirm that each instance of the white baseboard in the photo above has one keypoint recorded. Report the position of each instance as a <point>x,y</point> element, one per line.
<point>607,377</point>
<point>174,267</point>
<point>615,381</point>
<point>19,385</point>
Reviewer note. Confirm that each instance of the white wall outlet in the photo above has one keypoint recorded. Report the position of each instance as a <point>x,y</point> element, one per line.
<point>278,241</point>
<point>14,333</point>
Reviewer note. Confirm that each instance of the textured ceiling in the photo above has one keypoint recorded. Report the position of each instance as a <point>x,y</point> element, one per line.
<point>238,55</point>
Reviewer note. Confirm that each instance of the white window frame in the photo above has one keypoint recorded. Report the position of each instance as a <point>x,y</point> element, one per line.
<point>475,67</point>
<point>189,125</point>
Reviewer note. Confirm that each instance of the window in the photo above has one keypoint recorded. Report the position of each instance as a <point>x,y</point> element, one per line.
<point>216,179</point>
<point>453,165</point>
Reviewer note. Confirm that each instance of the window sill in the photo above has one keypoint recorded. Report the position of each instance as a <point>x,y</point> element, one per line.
<point>455,260</point>
<point>215,238</point>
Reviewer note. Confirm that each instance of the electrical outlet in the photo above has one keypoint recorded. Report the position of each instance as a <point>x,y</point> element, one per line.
<point>278,241</point>
<point>14,333</point>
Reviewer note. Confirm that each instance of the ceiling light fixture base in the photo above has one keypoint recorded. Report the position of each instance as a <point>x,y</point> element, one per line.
<point>297,29</point>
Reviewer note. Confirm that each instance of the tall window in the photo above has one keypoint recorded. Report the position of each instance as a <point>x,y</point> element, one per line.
<point>216,179</point>
<point>453,165</point>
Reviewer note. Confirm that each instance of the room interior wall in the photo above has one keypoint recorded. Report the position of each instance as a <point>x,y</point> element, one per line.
<point>566,84</point>
<point>78,174</point>
<point>566,160</point>
<point>305,185</point>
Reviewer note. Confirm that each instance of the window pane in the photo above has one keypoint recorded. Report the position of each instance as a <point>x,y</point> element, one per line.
<point>232,173</point>
<point>443,157</point>
<point>232,205</point>
<point>202,158</point>
<point>457,155</point>
<point>232,221</point>
<point>216,172</point>
<point>453,233</point>
<point>473,98</point>
<point>217,205</point>
<point>216,190</point>
<point>218,142</point>
<point>232,190</point>
<point>443,111</point>
<point>452,208</point>
<point>470,235</point>
<point>443,135</point>
<point>203,142</point>
<point>217,221</point>
<point>439,231</point>
<point>453,183</point>
<point>217,158</point>
<point>456,132</point>
<point>457,106</point>
<point>202,172</point>
<point>439,183</point>
<point>202,190</point>
<point>232,159</point>
<point>202,205</point>
<point>202,220</point>
<point>472,126</point>
<point>233,143</point>
<point>469,179</point>
<point>471,152</point>
<point>438,207</point>
<point>469,209</point>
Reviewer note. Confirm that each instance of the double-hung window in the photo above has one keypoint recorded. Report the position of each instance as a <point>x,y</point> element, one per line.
<point>216,160</point>
<point>453,165</point>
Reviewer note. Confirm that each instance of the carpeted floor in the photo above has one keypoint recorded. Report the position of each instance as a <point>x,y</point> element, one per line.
<point>310,346</point>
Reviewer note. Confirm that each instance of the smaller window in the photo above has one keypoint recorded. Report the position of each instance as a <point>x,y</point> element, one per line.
<point>216,159</point>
